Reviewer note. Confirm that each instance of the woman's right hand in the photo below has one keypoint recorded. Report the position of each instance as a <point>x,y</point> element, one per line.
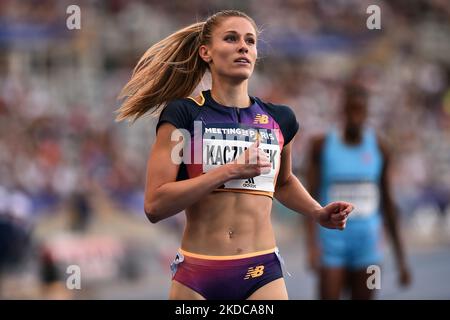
<point>251,163</point>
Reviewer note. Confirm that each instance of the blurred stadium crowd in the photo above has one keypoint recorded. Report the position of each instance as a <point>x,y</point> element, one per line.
<point>61,151</point>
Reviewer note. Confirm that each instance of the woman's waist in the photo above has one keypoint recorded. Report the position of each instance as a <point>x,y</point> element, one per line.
<point>228,240</point>
<point>227,260</point>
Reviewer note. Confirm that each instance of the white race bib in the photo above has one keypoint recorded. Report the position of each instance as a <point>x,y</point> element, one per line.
<point>365,196</point>
<point>217,152</point>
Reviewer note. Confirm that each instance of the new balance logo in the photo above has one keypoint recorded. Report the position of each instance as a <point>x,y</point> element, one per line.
<point>254,272</point>
<point>261,119</point>
<point>249,183</point>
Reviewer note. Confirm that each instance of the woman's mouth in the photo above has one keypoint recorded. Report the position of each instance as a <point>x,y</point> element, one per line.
<point>242,61</point>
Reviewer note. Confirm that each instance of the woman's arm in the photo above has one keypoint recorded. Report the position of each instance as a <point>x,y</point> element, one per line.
<point>292,194</point>
<point>164,196</point>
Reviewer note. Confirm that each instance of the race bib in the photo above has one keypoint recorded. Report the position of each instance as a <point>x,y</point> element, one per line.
<point>219,149</point>
<point>363,195</point>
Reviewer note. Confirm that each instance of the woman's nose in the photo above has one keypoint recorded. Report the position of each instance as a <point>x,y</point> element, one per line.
<point>243,48</point>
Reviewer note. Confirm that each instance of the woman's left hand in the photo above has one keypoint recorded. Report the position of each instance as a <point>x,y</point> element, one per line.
<point>334,215</point>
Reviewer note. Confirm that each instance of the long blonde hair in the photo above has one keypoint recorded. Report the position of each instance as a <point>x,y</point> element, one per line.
<point>170,69</point>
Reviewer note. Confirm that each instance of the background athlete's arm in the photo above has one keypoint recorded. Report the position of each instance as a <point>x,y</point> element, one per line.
<point>391,217</point>
<point>292,194</point>
<point>164,196</point>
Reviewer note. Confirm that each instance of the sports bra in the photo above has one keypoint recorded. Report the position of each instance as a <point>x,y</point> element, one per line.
<point>214,134</point>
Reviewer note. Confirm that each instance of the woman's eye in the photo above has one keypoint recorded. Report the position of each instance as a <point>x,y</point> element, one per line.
<point>234,38</point>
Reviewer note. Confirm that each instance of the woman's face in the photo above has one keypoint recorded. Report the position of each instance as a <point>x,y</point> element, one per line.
<point>232,52</point>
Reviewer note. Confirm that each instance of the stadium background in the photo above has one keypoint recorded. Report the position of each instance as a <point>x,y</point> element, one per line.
<point>72,180</point>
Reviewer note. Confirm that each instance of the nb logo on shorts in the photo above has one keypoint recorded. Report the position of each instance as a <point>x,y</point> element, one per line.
<point>261,119</point>
<point>254,272</point>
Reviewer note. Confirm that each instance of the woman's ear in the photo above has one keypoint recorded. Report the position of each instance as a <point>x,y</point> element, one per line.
<point>203,51</point>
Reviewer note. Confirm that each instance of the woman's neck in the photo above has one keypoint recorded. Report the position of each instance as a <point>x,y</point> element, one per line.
<point>231,95</point>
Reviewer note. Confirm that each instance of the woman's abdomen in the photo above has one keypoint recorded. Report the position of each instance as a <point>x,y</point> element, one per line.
<point>229,224</point>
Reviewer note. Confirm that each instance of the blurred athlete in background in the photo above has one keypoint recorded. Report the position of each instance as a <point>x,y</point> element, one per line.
<point>352,163</point>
